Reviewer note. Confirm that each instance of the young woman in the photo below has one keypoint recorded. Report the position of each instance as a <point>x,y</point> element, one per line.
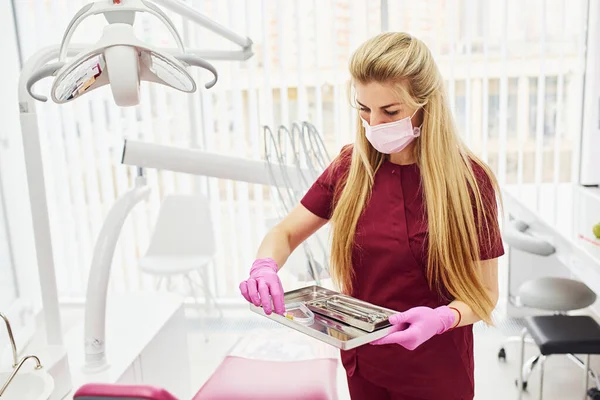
<point>414,228</point>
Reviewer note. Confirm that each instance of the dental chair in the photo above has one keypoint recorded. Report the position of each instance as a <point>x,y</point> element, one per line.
<point>238,378</point>
<point>109,391</point>
<point>267,365</point>
<point>305,380</point>
<point>554,297</point>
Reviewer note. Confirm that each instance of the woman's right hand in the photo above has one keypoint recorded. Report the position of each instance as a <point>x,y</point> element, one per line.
<point>264,285</point>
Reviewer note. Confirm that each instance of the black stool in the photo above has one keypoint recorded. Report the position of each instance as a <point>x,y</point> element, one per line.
<point>562,334</point>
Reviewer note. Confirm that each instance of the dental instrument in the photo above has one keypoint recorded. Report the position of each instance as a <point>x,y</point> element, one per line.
<point>302,148</point>
<point>81,69</point>
<point>351,312</point>
<point>314,148</point>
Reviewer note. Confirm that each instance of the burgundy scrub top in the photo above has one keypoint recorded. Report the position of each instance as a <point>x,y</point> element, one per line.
<point>389,260</point>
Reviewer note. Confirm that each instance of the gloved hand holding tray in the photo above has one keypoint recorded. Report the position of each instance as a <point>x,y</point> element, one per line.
<point>331,317</point>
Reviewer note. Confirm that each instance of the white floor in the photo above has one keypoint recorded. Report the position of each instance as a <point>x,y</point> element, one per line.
<point>211,339</point>
<point>494,380</point>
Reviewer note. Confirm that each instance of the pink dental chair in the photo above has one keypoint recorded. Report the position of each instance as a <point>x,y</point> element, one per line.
<point>106,391</point>
<point>239,378</point>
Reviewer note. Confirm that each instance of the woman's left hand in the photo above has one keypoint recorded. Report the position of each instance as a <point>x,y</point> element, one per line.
<point>417,325</point>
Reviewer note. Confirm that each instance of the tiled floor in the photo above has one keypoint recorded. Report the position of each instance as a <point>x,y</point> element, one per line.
<point>494,379</point>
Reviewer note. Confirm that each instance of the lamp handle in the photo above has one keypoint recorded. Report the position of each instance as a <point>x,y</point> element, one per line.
<point>41,73</point>
<point>196,61</point>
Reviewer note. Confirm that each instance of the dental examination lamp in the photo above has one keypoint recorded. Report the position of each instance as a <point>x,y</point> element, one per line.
<point>119,60</point>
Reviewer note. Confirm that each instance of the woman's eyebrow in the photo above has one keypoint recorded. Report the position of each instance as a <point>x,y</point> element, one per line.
<point>384,107</point>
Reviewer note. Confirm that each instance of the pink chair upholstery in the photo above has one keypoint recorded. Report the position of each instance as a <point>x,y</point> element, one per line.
<point>243,378</point>
<point>105,391</point>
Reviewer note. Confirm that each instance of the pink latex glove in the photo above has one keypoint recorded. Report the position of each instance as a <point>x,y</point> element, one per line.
<point>415,326</point>
<point>264,285</point>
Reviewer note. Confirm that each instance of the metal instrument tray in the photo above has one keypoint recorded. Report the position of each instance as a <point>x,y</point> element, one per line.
<point>344,327</point>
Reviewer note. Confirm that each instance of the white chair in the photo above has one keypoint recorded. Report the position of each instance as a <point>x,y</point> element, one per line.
<point>183,243</point>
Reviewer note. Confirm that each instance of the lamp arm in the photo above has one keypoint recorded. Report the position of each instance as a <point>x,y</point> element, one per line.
<point>203,163</point>
<point>193,15</point>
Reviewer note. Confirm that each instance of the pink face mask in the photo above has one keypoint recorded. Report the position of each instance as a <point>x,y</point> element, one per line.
<point>392,137</point>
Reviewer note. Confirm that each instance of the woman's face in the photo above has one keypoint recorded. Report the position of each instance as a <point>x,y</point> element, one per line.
<point>379,104</point>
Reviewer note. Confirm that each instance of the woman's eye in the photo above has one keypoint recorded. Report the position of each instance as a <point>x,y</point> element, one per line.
<point>364,109</point>
<point>390,113</point>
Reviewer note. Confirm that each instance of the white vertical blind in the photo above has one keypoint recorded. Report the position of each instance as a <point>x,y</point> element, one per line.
<point>299,70</point>
<point>257,230</point>
<point>559,110</point>
<point>541,103</point>
<point>485,81</point>
<point>299,22</point>
<point>452,45</point>
<point>224,123</point>
<point>469,25</point>
<point>318,32</point>
<point>240,220</point>
<point>356,21</point>
<point>80,233</point>
<point>503,97</point>
<point>283,21</point>
<point>335,17</point>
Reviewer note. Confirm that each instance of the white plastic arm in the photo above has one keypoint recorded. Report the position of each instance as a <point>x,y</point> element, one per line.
<point>193,15</point>
<point>124,13</point>
<point>41,73</point>
<point>203,163</point>
<point>95,307</point>
<point>196,61</point>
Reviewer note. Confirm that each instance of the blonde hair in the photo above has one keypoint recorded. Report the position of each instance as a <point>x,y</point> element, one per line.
<point>448,181</point>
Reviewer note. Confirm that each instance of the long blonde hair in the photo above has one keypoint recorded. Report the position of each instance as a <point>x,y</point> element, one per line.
<point>448,181</point>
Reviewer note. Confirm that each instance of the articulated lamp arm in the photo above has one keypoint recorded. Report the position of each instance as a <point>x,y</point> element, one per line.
<point>193,15</point>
